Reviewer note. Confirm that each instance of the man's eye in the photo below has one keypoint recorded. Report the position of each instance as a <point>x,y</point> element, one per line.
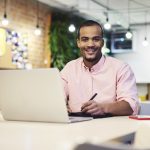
<point>96,39</point>
<point>84,39</point>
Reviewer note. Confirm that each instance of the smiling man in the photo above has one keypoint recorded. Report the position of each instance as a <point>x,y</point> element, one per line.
<point>111,81</point>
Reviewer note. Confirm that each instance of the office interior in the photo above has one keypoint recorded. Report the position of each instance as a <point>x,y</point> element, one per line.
<point>27,35</point>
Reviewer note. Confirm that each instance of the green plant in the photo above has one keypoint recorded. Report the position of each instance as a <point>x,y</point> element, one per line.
<point>62,42</point>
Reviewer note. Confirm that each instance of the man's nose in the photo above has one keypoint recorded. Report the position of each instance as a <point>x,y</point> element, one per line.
<point>90,42</point>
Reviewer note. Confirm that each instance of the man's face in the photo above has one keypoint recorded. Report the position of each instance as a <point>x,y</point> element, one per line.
<point>90,42</point>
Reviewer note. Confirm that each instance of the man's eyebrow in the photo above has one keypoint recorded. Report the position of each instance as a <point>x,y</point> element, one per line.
<point>84,37</point>
<point>91,37</point>
<point>98,36</point>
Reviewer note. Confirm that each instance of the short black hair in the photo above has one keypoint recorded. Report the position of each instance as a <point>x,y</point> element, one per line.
<point>89,23</point>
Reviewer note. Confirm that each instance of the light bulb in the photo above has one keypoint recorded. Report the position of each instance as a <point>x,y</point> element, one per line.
<point>145,42</point>
<point>128,35</point>
<point>72,28</point>
<point>107,26</point>
<point>5,21</point>
<point>38,31</point>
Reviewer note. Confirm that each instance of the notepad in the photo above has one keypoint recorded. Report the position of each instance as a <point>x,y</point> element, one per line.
<point>82,114</point>
<point>140,117</point>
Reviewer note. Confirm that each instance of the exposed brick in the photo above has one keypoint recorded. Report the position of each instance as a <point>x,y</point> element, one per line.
<point>23,19</point>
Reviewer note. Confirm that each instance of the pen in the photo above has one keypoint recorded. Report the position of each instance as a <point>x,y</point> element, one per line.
<point>93,96</point>
<point>90,99</point>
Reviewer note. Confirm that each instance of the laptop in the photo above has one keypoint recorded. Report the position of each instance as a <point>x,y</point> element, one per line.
<point>34,95</point>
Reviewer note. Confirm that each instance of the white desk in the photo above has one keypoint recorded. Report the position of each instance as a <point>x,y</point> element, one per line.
<point>53,136</point>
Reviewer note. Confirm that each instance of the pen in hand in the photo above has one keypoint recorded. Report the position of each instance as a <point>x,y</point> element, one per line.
<point>93,96</point>
<point>90,99</point>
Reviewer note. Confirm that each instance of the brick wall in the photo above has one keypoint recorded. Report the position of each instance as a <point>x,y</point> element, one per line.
<point>22,15</point>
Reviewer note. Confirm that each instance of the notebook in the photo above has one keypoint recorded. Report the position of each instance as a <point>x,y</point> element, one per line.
<point>34,95</point>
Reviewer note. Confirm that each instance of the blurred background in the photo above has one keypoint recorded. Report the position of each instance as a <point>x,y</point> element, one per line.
<point>42,33</point>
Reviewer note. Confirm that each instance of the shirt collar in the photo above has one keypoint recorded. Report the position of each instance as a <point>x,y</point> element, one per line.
<point>97,67</point>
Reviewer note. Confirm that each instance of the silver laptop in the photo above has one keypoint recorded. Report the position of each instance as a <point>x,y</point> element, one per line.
<point>34,95</point>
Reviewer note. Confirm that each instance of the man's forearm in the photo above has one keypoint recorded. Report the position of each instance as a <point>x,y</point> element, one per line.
<point>120,108</point>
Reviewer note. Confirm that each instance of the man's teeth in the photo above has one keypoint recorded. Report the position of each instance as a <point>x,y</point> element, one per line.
<point>91,50</point>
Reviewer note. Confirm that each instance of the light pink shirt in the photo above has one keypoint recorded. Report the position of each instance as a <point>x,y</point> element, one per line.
<point>112,79</point>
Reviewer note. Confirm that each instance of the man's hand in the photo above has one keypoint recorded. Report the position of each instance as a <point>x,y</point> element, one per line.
<point>93,108</point>
<point>118,108</point>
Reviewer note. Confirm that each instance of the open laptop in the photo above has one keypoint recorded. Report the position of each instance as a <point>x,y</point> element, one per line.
<point>34,95</point>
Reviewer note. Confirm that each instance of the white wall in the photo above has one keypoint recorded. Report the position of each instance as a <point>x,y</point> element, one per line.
<point>139,59</point>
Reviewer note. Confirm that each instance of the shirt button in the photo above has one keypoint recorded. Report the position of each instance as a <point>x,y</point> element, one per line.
<point>92,70</point>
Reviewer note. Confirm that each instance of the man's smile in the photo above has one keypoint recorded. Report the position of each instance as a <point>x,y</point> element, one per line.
<point>90,50</point>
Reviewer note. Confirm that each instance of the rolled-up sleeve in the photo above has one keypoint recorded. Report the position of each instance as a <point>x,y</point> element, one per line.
<point>126,87</point>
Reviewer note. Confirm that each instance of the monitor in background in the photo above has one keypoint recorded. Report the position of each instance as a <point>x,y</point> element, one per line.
<point>119,42</point>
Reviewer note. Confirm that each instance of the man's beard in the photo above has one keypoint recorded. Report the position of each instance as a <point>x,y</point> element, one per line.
<point>97,56</point>
<point>90,59</point>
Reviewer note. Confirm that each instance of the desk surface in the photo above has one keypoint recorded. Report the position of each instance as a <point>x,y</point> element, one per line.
<point>54,136</point>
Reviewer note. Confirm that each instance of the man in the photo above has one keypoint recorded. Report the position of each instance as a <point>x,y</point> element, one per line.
<point>110,81</point>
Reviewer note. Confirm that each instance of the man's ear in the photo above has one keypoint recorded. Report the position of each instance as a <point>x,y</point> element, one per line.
<point>102,42</point>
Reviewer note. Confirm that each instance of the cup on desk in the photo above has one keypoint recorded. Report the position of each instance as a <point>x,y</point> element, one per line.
<point>143,97</point>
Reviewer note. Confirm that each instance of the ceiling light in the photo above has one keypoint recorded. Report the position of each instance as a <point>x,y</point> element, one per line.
<point>72,28</point>
<point>128,34</point>
<point>107,25</point>
<point>38,30</point>
<point>5,21</point>
<point>145,42</point>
